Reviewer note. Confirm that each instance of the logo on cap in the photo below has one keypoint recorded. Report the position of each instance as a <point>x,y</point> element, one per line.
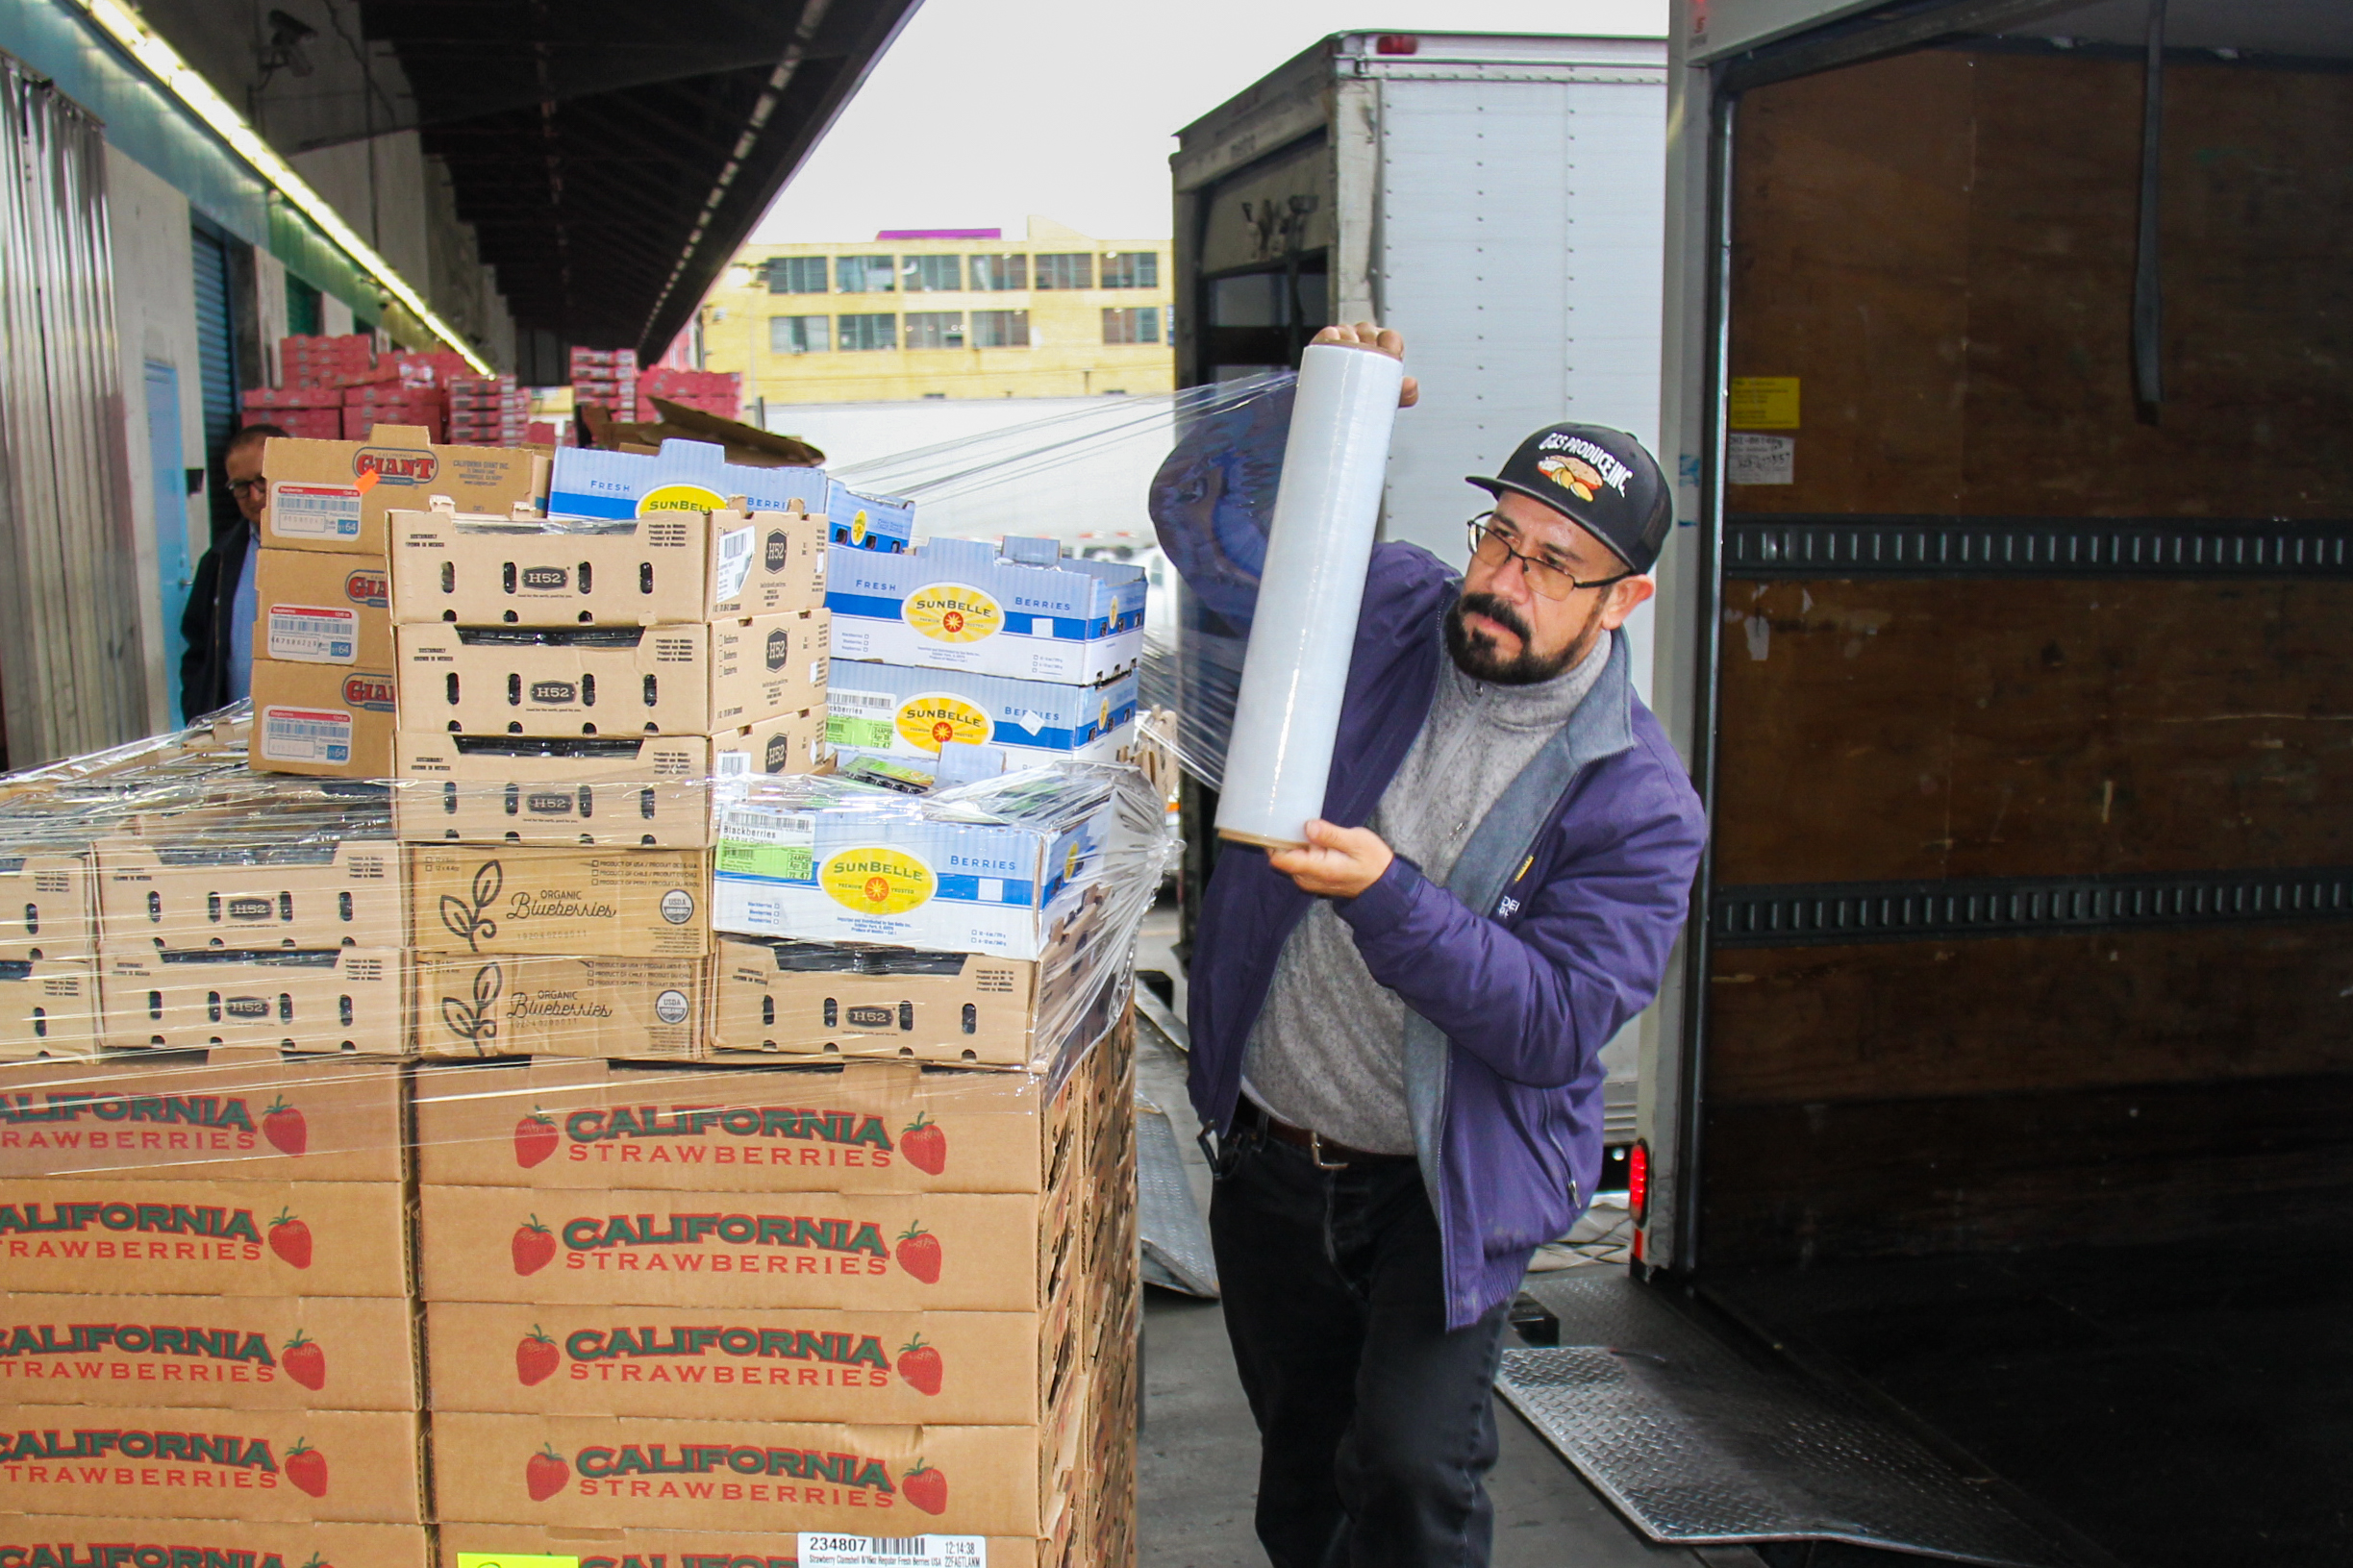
<point>1585,470</point>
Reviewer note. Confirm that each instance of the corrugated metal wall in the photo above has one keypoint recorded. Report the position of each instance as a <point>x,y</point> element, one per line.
<point>72,676</point>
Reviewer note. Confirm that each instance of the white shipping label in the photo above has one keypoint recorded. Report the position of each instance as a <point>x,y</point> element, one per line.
<point>315,512</point>
<point>893,1551</point>
<point>313,633</point>
<point>734,563</point>
<point>1750,458</point>
<point>306,734</point>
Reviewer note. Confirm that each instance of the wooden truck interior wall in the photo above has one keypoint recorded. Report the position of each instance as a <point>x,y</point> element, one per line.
<point>1941,246</point>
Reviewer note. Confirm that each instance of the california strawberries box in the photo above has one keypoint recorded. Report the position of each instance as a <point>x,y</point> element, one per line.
<point>155,1462</point>
<point>294,1353</point>
<point>937,1252</point>
<point>723,1547</point>
<point>246,1116</point>
<point>143,1236</point>
<point>689,1475</point>
<point>35,1540</point>
<point>867,1125</point>
<point>969,1368</point>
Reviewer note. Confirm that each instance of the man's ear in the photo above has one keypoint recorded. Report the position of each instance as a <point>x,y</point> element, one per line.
<point>1625,598</point>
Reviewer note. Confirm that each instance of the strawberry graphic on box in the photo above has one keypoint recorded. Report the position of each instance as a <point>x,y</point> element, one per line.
<point>283,1125</point>
<point>918,1253</point>
<point>290,1240</point>
<point>925,1145</point>
<point>545,1474</point>
<point>926,1488</point>
<point>305,1468</point>
<point>920,1365</point>
<point>534,1246</point>
<point>305,1362</point>
<point>535,1139</point>
<point>536,1357</point>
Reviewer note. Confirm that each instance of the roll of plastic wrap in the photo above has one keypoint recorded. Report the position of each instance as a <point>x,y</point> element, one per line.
<point>1286,714</point>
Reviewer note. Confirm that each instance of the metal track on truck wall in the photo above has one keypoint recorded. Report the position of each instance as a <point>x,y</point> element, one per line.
<point>1176,1245</point>
<point>1699,1446</point>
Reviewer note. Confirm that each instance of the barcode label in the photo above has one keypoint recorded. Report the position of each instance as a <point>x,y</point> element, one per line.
<point>315,512</point>
<point>732,764</point>
<point>314,634</point>
<point>305,735</point>
<point>843,700</point>
<point>893,1551</point>
<point>734,563</point>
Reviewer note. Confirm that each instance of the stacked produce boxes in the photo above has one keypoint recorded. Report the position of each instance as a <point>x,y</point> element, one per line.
<point>717,392</point>
<point>488,411</point>
<point>606,378</point>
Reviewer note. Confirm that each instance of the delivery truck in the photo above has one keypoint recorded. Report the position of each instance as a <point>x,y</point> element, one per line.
<point>2006,1084</point>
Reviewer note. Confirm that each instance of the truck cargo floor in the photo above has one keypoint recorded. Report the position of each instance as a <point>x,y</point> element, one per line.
<point>1700,1443</point>
<point>2179,1404</point>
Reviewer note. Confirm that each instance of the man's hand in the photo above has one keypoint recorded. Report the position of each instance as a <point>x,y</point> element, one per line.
<point>1381,340</point>
<point>1338,862</point>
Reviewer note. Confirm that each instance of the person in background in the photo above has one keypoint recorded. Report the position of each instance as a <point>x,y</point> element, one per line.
<point>216,668</point>
<point>1397,1027</point>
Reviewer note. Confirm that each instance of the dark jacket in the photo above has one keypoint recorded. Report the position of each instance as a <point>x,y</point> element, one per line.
<point>210,621</point>
<point>1553,931</point>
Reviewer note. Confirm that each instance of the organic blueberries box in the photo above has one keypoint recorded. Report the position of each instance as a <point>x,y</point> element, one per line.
<point>1028,612</point>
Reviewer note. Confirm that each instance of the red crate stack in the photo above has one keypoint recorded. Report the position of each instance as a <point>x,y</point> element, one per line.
<point>606,377</point>
<point>488,411</point>
<point>717,392</point>
<point>313,413</point>
<point>392,403</point>
<point>316,362</point>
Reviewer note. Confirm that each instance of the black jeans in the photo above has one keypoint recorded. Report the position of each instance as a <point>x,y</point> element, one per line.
<point>1376,1425</point>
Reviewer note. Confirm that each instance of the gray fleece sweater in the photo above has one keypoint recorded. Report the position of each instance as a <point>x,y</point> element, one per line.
<point>1328,1051</point>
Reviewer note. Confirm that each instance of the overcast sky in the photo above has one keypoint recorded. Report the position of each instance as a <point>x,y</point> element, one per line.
<point>987,110</point>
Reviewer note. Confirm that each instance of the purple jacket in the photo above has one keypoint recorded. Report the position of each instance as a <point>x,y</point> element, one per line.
<point>1553,931</point>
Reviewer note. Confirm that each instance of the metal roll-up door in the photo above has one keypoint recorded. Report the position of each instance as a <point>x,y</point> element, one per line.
<point>216,361</point>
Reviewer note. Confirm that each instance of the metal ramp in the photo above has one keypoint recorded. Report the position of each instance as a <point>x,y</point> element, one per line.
<point>1700,1446</point>
<point>1175,1238</point>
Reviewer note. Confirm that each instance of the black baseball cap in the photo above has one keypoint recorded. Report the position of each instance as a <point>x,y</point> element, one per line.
<point>1600,479</point>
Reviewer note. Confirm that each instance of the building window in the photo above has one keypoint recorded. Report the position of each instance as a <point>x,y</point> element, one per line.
<point>936,329</point>
<point>1132,270</point>
<point>863,275</point>
<point>796,274</point>
<point>1066,271</point>
<point>867,332</point>
<point>995,274</point>
<point>1132,324</point>
<point>797,334</point>
<point>1001,329</point>
<point>932,274</point>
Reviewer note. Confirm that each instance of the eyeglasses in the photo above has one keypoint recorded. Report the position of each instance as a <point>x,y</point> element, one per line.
<point>1491,546</point>
<point>247,487</point>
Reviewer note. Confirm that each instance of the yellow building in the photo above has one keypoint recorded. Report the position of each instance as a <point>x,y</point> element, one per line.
<point>945,314</point>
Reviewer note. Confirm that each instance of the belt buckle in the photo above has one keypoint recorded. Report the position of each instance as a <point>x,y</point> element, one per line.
<point>1315,1152</point>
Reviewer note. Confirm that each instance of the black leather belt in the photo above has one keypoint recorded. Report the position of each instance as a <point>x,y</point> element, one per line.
<point>1250,1116</point>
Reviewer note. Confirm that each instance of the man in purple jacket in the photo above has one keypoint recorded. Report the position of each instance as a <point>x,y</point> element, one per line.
<point>1397,1029</point>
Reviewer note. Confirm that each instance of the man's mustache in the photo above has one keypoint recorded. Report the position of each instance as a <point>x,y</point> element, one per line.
<point>1498,611</point>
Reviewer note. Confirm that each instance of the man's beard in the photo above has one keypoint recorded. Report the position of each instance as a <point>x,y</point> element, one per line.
<point>1474,652</point>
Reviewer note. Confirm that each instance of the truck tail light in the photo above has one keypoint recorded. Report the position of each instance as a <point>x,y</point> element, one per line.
<point>1637,1182</point>
<point>1396,44</point>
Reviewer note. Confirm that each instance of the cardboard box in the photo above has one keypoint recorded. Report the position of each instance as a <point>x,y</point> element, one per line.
<point>38,1540</point>
<point>860,1252</point>
<point>322,719</point>
<point>49,1007</point>
<point>159,1462</point>
<point>959,604</point>
<point>663,568</point>
<point>619,903</point>
<point>878,1368</point>
<point>828,862</point>
<point>890,711</point>
<point>337,495</point>
<point>684,476</point>
<point>883,523</point>
<point>254,1353</point>
<point>776,996</point>
<point>48,902</point>
<point>696,680</point>
<point>844,1127</point>
<point>140,1235</point>
<point>243,1115</point>
<point>718,1547</point>
<point>701,1473</point>
<point>484,1006</point>
<point>200,892</point>
<point>333,1000</point>
<point>320,609</point>
<point>616,792</point>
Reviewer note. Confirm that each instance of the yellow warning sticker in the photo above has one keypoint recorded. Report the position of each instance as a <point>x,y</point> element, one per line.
<point>1762,403</point>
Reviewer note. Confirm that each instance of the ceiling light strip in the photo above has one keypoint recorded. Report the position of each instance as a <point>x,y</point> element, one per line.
<point>182,80</point>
